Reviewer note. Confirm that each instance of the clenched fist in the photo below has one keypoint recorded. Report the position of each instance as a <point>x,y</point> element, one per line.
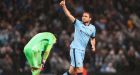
<point>62,3</point>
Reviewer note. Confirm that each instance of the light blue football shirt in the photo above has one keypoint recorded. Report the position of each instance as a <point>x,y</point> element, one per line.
<point>82,34</point>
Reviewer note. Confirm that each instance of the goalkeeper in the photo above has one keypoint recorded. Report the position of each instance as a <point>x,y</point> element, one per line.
<point>37,50</point>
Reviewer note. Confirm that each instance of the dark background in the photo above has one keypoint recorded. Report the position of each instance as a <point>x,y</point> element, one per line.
<point>118,35</point>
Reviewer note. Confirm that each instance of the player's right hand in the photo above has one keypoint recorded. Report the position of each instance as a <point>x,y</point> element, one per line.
<point>62,3</point>
<point>93,49</point>
<point>42,67</point>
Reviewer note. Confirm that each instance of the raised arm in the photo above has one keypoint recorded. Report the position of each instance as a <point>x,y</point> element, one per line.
<point>66,11</point>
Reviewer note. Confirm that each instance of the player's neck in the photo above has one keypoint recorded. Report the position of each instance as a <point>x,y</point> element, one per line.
<point>86,23</point>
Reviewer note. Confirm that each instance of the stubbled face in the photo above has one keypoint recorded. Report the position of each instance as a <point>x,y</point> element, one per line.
<point>86,18</point>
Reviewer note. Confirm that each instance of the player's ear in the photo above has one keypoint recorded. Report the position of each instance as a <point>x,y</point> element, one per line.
<point>90,18</point>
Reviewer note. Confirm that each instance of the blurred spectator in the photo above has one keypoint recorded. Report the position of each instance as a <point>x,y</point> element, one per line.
<point>58,64</point>
<point>117,23</point>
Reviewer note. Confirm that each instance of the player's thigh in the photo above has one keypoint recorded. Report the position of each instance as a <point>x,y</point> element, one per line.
<point>79,57</point>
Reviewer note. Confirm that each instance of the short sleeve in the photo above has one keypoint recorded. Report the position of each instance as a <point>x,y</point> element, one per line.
<point>94,32</point>
<point>77,23</point>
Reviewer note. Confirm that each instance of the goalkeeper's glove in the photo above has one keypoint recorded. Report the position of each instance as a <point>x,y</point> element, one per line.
<point>43,65</point>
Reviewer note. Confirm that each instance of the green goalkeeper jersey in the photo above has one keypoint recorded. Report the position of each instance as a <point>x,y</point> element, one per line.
<point>41,40</point>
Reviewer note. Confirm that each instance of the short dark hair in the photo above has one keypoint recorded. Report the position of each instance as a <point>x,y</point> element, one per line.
<point>90,15</point>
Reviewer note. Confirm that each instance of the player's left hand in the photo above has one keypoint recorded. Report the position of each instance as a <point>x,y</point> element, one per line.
<point>93,48</point>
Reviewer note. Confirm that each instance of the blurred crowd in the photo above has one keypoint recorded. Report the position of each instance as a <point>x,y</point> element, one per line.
<point>118,33</point>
